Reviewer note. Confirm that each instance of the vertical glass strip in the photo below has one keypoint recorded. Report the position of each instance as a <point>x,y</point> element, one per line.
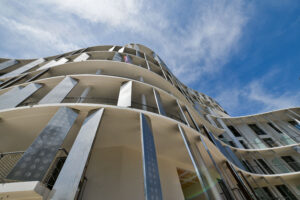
<point>117,57</point>
<point>57,94</point>
<point>16,95</point>
<point>193,159</point>
<point>69,178</point>
<point>35,162</point>
<point>125,94</point>
<point>159,103</point>
<point>181,113</point>
<point>7,64</point>
<point>24,68</point>
<point>152,187</point>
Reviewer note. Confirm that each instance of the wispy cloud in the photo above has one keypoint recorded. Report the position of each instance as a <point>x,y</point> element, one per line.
<point>255,97</point>
<point>193,44</point>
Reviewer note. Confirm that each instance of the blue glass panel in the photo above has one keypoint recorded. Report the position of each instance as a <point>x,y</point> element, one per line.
<point>227,152</point>
<point>159,103</point>
<point>152,185</point>
<point>35,162</point>
<point>117,57</point>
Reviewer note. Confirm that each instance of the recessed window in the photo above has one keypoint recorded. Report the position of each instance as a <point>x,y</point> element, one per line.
<point>265,166</point>
<point>234,131</point>
<point>244,144</point>
<point>256,129</point>
<point>285,192</point>
<point>295,124</point>
<point>291,162</point>
<point>270,142</point>
<point>276,129</point>
<point>231,143</point>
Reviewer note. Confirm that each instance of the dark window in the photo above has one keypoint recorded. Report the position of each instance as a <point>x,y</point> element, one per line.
<point>262,162</point>
<point>244,144</point>
<point>234,131</point>
<point>248,166</point>
<point>269,193</point>
<point>262,170</point>
<point>256,129</point>
<point>285,192</point>
<point>295,124</point>
<point>231,143</point>
<point>291,162</point>
<point>270,142</point>
<point>276,129</point>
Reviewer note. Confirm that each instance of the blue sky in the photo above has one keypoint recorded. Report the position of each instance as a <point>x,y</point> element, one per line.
<point>245,54</point>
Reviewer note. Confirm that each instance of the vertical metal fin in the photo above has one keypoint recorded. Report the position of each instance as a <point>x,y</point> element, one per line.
<point>57,94</point>
<point>35,162</point>
<point>69,178</point>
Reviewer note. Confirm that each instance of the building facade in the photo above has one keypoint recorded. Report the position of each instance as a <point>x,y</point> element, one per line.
<point>113,122</point>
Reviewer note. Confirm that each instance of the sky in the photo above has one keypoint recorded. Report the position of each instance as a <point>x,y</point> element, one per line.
<point>244,54</point>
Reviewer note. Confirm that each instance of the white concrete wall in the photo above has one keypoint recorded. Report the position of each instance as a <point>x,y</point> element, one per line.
<point>117,173</point>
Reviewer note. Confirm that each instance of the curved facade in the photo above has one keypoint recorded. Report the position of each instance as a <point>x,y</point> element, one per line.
<point>113,122</point>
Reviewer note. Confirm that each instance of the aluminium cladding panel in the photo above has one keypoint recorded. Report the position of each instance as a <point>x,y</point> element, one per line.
<point>67,183</point>
<point>59,92</point>
<point>8,63</point>
<point>53,63</point>
<point>36,160</point>
<point>125,94</point>
<point>16,95</point>
<point>24,68</point>
<point>81,57</point>
<point>152,187</point>
<point>159,103</point>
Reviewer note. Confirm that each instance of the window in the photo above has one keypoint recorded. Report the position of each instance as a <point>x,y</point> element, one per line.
<point>221,136</point>
<point>244,144</point>
<point>269,193</point>
<point>276,129</point>
<point>295,124</point>
<point>231,143</point>
<point>234,131</point>
<point>248,166</point>
<point>262,162</point>
<point>262,170</point>
<point>264,193</point>
<point>256,129</point>
<point>291,162</point>
<point>270,142</point>
<point>285,192</point>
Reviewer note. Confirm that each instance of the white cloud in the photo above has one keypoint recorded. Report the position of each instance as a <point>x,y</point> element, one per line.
<point>191,45</point>
<point>114,13</point>
<point>272,101</point>
<point>41,36</point>
<point>254,97</point>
